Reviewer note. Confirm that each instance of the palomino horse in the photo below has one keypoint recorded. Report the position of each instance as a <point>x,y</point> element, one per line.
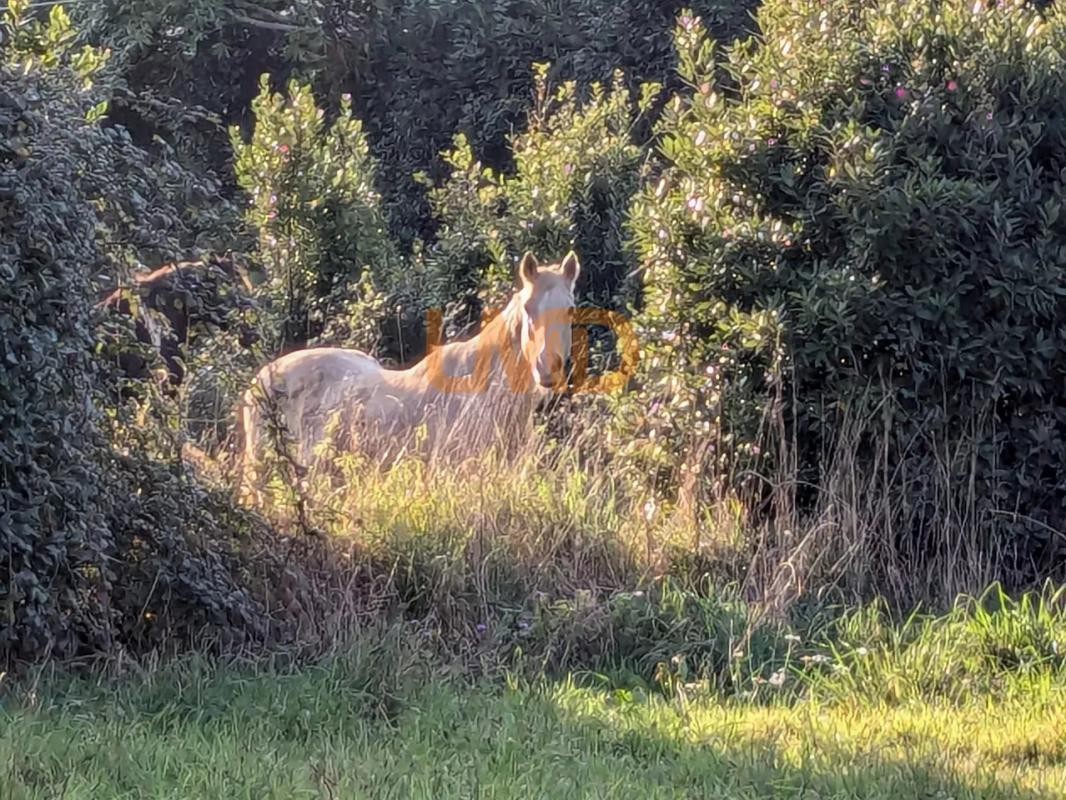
<point>460,399</point>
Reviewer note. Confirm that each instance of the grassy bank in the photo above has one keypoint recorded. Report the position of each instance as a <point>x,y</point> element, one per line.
<point>967,705</point>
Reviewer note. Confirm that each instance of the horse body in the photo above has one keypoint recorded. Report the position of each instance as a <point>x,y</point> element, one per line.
<point>460,399</point>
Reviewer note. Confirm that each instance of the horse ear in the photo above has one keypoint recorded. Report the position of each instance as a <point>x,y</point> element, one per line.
<point>571,268</point>
<point>527,268</point>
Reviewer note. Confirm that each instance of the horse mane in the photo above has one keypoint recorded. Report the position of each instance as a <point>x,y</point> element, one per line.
<point>500,336</point>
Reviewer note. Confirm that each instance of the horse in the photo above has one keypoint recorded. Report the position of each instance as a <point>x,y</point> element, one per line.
<point>457,401</point>
<point>181,294</point>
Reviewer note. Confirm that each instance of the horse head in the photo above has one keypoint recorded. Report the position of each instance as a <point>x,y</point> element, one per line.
<point>545,303</point>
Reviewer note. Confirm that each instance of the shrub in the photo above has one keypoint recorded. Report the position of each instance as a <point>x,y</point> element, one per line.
<point>576,171</point>
<point>101,548</point>
<point>54,521</point>
<point>312,199</point>
<point>870,212</point>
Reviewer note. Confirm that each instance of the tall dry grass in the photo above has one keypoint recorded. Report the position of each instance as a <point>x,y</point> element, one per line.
<point>456,541</point>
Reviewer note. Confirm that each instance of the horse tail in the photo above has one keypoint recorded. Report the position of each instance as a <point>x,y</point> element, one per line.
<point>248,433</point>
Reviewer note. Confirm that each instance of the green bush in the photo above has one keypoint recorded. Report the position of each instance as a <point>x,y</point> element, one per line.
<point>869,216</point>
<point>54,522</point>
<point>312,199</point>
<point>576,171</point>
<point>104,545</point>
<point>419,73</point>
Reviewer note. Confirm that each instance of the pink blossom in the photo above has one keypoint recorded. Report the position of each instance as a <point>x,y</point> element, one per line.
<point>901,92</point>
<point>952,86</point>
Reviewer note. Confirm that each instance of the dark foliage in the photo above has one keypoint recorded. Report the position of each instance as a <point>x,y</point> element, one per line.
<point>418,72</point>
<point>104,545</point>
<point>872,221</point>
<point>171,304</point>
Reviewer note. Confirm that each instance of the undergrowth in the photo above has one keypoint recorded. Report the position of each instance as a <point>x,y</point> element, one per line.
<point>667,642</point>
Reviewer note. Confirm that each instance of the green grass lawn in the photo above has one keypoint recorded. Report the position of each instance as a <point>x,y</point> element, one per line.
<point>194,732</point>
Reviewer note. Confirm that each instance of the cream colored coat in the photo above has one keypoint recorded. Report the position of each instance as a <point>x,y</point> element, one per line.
<point>462,398</point>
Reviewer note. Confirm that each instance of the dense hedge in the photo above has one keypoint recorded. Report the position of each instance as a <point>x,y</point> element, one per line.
<point>871,220</point>
<point>104,545</point>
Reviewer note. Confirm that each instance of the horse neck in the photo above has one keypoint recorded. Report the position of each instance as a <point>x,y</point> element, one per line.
<point>499,341</point>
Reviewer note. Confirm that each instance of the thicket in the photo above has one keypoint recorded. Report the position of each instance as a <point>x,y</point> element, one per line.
<point>841,241</point>
<point>105,545</point>
<point>417,72</point>
<point>864,229</point>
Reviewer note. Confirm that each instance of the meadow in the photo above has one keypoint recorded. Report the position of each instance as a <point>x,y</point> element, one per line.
<point>968,705</point>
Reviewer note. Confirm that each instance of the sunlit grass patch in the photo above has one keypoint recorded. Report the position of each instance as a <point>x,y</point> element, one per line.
<point>982,749</point>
